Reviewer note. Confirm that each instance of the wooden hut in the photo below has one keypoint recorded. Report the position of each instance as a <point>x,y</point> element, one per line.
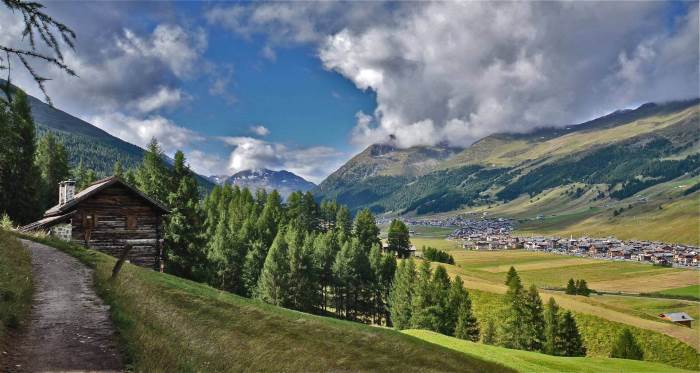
<point>106,216</point>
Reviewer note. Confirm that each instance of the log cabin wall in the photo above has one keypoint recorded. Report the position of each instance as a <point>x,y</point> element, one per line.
<point>105,220</point>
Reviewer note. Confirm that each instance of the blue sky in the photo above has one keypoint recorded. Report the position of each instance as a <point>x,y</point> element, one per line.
<point>304,86</point>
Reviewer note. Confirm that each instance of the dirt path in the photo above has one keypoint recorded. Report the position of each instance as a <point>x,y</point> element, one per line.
<point>69,327</point>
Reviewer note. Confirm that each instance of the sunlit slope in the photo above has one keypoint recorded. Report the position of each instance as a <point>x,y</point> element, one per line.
<point>173,325</point>
<point>525,361</point>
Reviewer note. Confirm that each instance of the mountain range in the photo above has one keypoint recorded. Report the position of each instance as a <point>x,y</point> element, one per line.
<point>618,155</point>
<point>283,181</point>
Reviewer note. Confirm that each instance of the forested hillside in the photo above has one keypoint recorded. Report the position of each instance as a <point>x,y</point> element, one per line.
<point>621,154</point>
<point>97,149</point>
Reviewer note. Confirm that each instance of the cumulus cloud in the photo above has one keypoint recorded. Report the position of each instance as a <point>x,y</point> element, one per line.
<point>259,130</point>
<point>252,153</point>
<point>457,71</point>
<point>139,131</point>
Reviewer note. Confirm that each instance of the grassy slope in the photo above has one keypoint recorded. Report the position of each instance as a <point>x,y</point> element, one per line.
<point>483,274</point>
<point>525,361</point>
<point>169,324</point>
<point>15,283</point>
<point>687,291</point>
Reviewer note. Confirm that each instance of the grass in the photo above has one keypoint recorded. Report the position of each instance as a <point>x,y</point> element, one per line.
<point>15,283</point>
<point>169,324</point>
<point>692,291</point>
<point>648,308</point>
<point>525,361</point>
<point>598,333</point>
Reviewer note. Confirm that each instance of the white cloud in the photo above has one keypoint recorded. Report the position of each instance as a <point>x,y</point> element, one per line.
<point>140,131</point>
<point>164,97</point>
<point>259,130</point>
<point>252,153</point>
<point>457,71</point>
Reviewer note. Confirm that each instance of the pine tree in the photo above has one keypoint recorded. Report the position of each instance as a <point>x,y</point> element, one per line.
<point>582,288</point>
<point>398,238</point>
<point>303,278</point>
<point>20,174</point>
<point>52,160</point>
<point>252,266</point>
<point>423,313</point>
<point>326,248</point>
<point>488,335</point>
<point>118,169</point>
<point>343,221</point>
<point>571,287</point>
<point>270,218</point>
<point>273,282</point>
<point>626,347</point>
<point>571,343</point>
<point>440,309</point>
<point>467,326</point>
<point>366,230</point>
<point>533,320</point>
<point>153,177</point>
<point>184,243</point>
<point>401,295</point>
<point>552,332</point>
<point>513,329</point>
<point>352,272</point>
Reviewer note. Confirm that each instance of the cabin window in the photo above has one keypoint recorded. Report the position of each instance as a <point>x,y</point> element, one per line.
<point>131,222</point>
<point>89,221</point>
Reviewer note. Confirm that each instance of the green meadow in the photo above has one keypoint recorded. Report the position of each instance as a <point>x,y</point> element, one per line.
<point>525,361</point>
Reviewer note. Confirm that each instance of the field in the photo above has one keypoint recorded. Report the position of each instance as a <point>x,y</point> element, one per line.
<point>525,361</point>
<point>15,283</point>
<point>169,324</point>
<point>692,291</point>
<point>600,315</point>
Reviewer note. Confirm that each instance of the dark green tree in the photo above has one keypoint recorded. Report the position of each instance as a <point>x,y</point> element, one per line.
<point>303,277</point>
<point>552,332</point>
<point>467,326</point>
<point>488,335</point>
<point>571,343</point>
<point>366,230</point>
<point>398,239</point>
<point>274,279</point>
<point>571,287</point>
<point>118,169</point>
<point>401,295</point>
<point>183,240</point>
<point>626,347</point>
<point>582,288</point>
<point>423,313</point>
<point>52,160</point>
<point>326,247</point>
<point>252,266</point>
<point>533,320</point>
<point>343,222</point>
<point>513,329</point>
<point>152,176</point>
<point>20,174</point>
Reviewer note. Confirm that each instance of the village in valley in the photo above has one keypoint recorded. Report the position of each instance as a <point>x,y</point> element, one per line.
<point>497,234</point>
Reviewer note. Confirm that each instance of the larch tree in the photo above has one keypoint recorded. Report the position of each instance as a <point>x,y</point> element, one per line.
<point>552,332</point>
<point>52,160</point>
<point>366,230</point>
<point>513,330</point>
<point>274,279</point>
<point>401,295</point>
<point>467,326</point>
<point>184,243</point>
<point>534,320</point>
<point>571,342</point>
<point>422,315</point>
<point>153,177</point>
<point>398,238</point>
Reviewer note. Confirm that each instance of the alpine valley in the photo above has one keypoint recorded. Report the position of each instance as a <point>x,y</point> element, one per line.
<point>638,165</point>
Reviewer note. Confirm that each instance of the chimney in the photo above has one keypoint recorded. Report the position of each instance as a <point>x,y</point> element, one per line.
<point>66,191</point>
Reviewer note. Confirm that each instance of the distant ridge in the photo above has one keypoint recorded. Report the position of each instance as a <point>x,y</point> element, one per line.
<point>283,181</point>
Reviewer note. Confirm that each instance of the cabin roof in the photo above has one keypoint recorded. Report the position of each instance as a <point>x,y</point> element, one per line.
<point>677,316</point>
<point>95,188</point>
<point>46,222</point>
